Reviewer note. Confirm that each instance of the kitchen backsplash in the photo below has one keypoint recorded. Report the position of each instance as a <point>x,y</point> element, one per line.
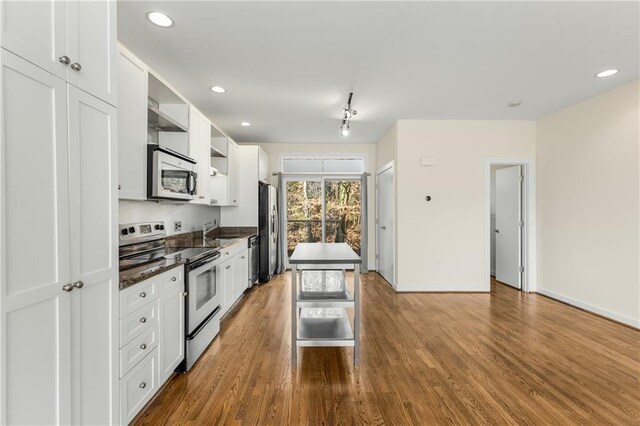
<point>192,217</point>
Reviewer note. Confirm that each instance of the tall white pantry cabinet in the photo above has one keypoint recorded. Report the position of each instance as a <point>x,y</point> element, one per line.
<point>58,213</point>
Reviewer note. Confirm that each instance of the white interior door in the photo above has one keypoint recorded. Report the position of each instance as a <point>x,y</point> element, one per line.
<point>386,258</point>
<point>508,232</point>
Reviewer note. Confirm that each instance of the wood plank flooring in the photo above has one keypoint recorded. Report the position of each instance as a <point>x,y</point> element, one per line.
<point>500,358</point>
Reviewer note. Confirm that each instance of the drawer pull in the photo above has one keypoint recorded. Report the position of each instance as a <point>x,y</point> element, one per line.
<point>143,346</point>
<point>173,278</point>
<point>142,385</point>
<point>143,294</point>
<point>241,257</point>
<point>143,320</point>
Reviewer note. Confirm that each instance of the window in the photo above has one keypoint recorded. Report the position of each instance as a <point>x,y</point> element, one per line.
<point>306,165</point>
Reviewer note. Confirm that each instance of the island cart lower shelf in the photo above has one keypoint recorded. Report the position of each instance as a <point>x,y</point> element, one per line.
<point>320,297</point>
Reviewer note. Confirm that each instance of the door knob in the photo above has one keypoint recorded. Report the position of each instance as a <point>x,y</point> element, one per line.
<point>142,385</point>
<point>143,346</point>
<point>76,66</point>
<point>78,284</point>
<point>143,320</point>
<point>67,287</point>
<point>64,59</point>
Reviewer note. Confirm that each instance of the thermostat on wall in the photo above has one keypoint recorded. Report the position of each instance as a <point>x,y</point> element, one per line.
<point>427,161</point>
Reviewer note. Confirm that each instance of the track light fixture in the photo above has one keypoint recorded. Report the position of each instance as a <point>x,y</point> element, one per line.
<point>347,113</point>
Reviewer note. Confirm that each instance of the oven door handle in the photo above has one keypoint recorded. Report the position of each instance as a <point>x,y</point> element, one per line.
<point>202,262</point>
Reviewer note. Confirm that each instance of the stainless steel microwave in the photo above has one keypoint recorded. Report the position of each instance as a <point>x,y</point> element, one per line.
<point>170,175</point>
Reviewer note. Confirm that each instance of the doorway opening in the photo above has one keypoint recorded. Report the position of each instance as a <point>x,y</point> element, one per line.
<point>385,224</point>
<point>510,223</point>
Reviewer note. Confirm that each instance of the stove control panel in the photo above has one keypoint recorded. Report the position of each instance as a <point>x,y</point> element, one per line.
<point>131,233</point>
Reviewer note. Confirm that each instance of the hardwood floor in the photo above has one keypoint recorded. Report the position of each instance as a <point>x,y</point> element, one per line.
<point>500,358</point>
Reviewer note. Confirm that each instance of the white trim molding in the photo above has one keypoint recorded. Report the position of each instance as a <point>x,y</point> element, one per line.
<point>589,307</point>
<point>443,288</point>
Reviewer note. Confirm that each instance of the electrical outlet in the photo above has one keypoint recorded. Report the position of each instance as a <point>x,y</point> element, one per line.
<point>177,225</point>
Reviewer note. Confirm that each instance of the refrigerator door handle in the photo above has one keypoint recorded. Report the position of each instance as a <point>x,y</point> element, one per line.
<point>276,225</point>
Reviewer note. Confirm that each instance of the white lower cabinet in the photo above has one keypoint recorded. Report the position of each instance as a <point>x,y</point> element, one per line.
<point>59,310</point>
<point>151,338</point>
<point>241,273</point>
<point>171,353</point>
<point>138,387</point>
<point>233,274</point>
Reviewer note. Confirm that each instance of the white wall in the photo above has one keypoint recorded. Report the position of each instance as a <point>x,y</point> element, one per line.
<point>441,242</point>
<point>277,150</point>
<point>588,204</point>
<point>192,216</point>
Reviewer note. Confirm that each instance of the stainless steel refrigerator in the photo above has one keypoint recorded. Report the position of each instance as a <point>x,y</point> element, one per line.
<point>268,222</point>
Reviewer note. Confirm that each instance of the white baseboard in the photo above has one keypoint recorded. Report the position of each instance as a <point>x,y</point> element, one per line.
<point>426,288</point>
<point>588,307</point>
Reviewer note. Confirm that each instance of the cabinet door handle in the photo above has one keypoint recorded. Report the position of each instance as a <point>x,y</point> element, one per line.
<point>67,287</point>
<point>143,294</point>
<point>76,66</point>
<point>228,266</point>
<point>173,278</point>
<point>143,320</point>
<point>241,257</point>
<point>142,385</point>
<point>143,346</point>
<point>78,284</point>
<point>64,59</point>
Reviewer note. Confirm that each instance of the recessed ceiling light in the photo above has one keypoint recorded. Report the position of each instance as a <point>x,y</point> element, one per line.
<point>514,104</point>
<point>218,89</point>
<point>161,19</point>
<point>245,124</point>
<point>606,73</point>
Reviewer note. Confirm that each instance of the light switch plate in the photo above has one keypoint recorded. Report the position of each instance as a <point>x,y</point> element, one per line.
<point>427,161</point>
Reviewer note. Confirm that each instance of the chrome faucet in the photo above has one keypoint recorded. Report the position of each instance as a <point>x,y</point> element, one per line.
<point>206,228</point>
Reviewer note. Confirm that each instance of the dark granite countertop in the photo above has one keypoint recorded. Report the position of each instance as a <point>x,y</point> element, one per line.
<point>136,274</point>
<point>218,238</point>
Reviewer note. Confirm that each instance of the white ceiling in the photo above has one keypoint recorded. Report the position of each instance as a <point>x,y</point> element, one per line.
<point>288,66</point>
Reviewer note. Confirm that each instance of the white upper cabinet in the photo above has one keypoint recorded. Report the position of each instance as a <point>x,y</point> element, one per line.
<point>36,31</point>
<point>200,150</point>
<point>224,185</point>
<point>234,174</point>
<point>35,358</point>
<point>253,162</point>
<point>73,39</point>
<point>91,35</point>
<point>132,127</point>
<point>263,166</point>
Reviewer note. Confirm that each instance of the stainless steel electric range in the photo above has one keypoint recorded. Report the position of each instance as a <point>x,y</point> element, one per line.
<point>143,247</point>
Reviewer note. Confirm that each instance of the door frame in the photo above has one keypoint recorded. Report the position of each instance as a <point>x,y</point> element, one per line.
<point>389,165</point>
<point>529,260</point>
